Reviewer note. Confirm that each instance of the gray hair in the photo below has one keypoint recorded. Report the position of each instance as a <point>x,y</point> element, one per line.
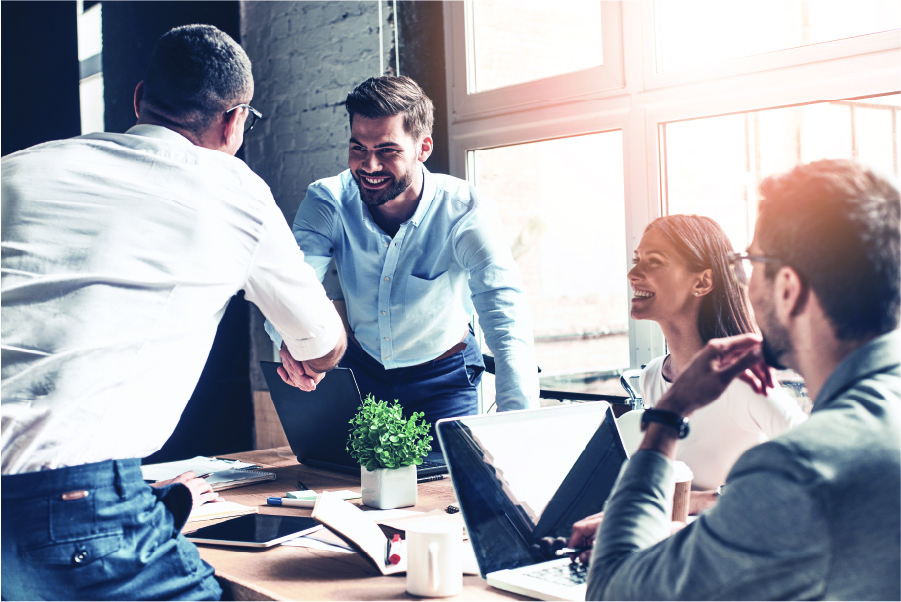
<point>196,73</point>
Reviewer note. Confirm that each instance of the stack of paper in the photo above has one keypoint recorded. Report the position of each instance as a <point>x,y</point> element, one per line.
<point>200,465</point>
<point>213,510</point>
<point>223,474</point>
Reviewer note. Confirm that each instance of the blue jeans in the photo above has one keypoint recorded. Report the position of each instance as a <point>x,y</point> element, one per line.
<point>440,388</point>
<point>98,532</point>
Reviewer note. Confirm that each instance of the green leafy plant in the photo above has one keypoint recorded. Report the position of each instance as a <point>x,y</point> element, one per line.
<point>382,438</point>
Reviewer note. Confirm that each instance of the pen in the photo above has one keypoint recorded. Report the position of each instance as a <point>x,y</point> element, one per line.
<point>436,477</point>
<point>301,486</point>
<point>203,476</point>
<point>286,501</point>
<point>570,551</point>
<point>394,550</point>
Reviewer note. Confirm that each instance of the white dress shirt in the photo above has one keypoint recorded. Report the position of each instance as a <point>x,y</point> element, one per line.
<point>120,253</point>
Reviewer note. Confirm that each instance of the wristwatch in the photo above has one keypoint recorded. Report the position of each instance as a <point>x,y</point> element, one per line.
<point>667,418</point>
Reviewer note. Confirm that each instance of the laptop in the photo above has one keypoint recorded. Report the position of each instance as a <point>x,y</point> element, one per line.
<point>317,423</point>
<point>520,476</point>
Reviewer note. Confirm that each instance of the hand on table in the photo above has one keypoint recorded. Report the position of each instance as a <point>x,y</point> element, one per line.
<point>201,492</point>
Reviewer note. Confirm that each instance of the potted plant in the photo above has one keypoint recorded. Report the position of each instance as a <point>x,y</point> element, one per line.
<point>388,448</point>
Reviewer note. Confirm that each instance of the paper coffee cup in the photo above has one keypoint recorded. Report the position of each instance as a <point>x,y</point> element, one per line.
<point>682,494</point>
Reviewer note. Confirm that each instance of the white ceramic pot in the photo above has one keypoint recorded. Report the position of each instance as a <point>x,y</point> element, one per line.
<point>387,488</point>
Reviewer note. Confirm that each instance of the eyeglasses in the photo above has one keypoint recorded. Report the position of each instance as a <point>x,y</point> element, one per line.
<point>743,263</point>
<point>252,116</point>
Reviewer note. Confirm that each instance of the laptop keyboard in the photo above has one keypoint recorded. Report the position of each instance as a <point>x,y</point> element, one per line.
<point>573,573</point>
<point>431,468</point>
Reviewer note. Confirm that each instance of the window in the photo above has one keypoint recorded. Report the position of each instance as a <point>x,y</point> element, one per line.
<point>701,113</point>
<point>90,49</point>
<point>738,151</point>
<point>539,42</point>
<point>688,31</point>
<point>558,226</point>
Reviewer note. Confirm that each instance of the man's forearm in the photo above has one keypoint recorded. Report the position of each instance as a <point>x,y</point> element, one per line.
<point>661,438</point>
<point>330,359</point>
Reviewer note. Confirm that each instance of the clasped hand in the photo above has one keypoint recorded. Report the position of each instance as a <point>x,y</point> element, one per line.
<point>297,374</point>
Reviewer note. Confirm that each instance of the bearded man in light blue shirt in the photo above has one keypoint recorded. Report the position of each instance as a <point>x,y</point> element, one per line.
<point>416,253</point>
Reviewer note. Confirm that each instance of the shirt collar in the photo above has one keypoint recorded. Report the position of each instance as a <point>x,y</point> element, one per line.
<point>157,131</point>
<point>878,355</point>
<point>428,195</point>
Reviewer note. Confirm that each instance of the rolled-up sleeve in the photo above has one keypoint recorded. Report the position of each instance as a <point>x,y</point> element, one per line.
<point>313,227</point>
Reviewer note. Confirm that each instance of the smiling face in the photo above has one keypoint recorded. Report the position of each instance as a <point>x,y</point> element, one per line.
<point>663,286</point>
<point>383,159</point>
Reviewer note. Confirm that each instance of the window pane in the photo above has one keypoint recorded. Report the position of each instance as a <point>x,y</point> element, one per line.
<point>687,30</point>
<point>563,206</point>
<point>713,166</point>
<point>516,41</point>
<point>90,42</point>
<point>90,94</point>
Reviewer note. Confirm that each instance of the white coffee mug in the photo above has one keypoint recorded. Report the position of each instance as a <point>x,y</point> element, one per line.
<point>434,559</point>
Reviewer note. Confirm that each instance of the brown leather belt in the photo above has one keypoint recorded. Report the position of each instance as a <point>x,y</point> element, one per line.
<point>455,349</point>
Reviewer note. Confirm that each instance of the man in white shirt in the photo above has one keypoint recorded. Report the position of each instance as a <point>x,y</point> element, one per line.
<point>120,253</point>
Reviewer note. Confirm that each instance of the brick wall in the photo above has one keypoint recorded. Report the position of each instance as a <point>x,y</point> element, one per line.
<point>306,57</point>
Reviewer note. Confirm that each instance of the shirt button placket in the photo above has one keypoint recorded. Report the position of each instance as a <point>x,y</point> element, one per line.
<point>384,302</point>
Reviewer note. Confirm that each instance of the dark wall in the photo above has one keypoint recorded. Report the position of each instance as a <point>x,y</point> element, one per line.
<point>130,29</point>
<point>421,53</point>
<point>219,417</point>
<point>39,44</point>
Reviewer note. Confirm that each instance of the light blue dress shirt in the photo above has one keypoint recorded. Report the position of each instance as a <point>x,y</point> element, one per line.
<point>410,298</point>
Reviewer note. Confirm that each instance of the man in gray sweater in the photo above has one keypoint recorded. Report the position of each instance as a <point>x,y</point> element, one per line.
<point>816,512</point>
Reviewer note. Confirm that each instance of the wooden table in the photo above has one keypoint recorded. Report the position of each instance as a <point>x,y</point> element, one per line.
<point>292,573</point>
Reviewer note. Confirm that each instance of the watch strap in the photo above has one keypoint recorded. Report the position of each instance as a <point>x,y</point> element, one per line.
<point>666,418</point>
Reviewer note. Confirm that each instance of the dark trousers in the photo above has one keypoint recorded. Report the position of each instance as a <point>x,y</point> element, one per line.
<point>98,532</point>
<point>440,388</point>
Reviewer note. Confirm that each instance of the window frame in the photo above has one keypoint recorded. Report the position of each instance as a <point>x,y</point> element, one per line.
<point>628,94</point>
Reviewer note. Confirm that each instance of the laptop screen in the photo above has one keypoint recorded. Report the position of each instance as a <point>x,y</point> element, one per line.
<point>520,476</point>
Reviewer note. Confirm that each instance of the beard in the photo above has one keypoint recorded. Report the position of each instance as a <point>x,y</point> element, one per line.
<point>776,341</point>
<point>772,355</point>
<point>375,198</point>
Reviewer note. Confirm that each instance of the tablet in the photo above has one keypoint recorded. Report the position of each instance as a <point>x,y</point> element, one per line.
<point>255,530</point>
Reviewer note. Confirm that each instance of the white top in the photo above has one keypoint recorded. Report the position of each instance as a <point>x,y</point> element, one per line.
<point>120,253</point>
<point>721,432</point>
